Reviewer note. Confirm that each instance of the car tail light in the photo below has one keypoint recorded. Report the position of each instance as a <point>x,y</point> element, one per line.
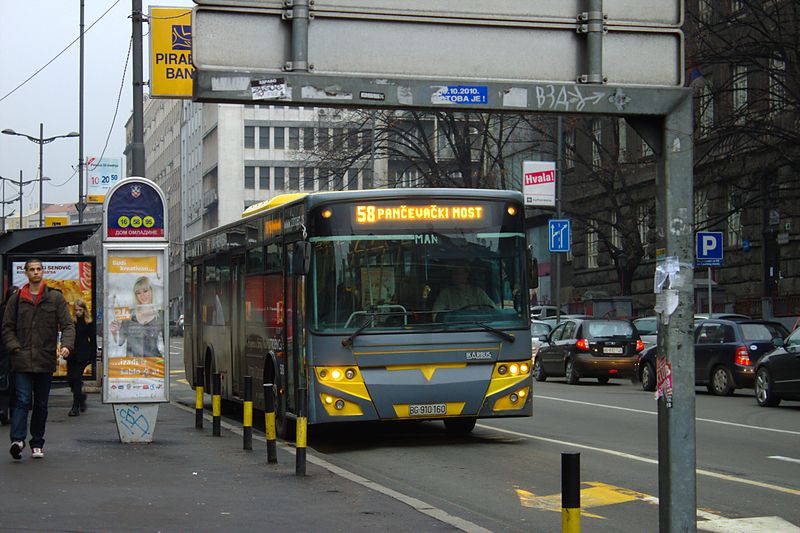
<point>582,344</point>
<point>742,356</point>
<point>639,345</point>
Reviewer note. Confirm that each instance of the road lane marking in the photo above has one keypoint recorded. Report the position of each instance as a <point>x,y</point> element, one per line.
<point>597,495</point>
<point>182,381</point>
<point>782,458</point>
<point>624,455</point>
<point>641,411</point>
<point>773,524</point>
<point>417,505</point>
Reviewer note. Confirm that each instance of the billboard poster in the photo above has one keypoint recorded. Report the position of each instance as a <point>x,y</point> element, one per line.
<point>103,174</point>
<point>539,183</point>
<point>74,278</point>
<point>136,339</point>
<point>171,68</point>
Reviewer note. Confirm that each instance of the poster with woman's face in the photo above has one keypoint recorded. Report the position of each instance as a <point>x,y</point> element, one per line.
<point>135,338</point>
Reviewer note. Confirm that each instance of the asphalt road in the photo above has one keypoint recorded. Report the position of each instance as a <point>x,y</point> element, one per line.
<point>506,475</point>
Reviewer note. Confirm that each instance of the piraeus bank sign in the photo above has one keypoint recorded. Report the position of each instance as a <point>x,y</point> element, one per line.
<point>171,69</point>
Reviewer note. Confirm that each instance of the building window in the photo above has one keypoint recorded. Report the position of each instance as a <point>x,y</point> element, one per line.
<point>591,247</point>
<point>352,139</point>
<point>323,184</point>
<point>308,139</point>
<point>280,184</point>
<point>597,134</point>
<point>366,178</point>
<point>263,137</point>
<point>622,145</point>
<point>569,149</point>
<point>706,108</point>
<point>294,179</point>
<point>700,210</point>
<point>352,179</point>
<point>616,235</point>
<point>249,136</point>
<point>777,85</point>
<point>734,222</point>
<point>643,216</point>
<point>324,139</point>
<point>294,138</point>
<point>263,178</point>
<point>308,179</point>
<point>704,11</point>
<point>740,93</point>
<point>249,177</point>
<point>366,140</point>
<point>279,138</point>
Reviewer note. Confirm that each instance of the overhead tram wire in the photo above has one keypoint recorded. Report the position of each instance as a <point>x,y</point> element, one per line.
<point>15,89</point>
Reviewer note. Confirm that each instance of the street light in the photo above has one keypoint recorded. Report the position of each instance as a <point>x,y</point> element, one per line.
<point>20,183</point>
<point>40,140</point>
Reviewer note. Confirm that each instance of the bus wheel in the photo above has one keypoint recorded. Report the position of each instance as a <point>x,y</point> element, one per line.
<point>209,371</point>
<point>459,426</point>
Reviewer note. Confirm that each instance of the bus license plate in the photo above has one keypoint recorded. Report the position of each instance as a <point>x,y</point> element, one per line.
<point>612,350</point>
<point>430,409</point>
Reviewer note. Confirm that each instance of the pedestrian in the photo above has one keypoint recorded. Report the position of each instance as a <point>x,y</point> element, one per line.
<point>6,376</point>
<point>31,324</point>
<point>85,353</point>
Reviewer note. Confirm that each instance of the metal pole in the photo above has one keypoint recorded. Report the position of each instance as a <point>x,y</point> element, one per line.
<point>4,205</point>
<point>677,478</point>
<point>300,35</point>
<point>247,414</point>
<point>594,42</point>
<point>302,433</point>
<point>559,179</point>
<point>216,405</point>
<point>710,307</point>
<point>269,423</point>
<point>20,199</point>
<point>199,380</point>
<point>41,173</point>
<point>570,492</point>
<point>137,145</point>
<point>80,128</point>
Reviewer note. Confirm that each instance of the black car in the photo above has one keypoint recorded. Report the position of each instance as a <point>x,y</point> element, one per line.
<point>725,352</point>
<point>590,348</point>
<point>778,373</point>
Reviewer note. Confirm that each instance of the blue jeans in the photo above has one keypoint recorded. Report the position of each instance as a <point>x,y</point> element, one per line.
<point>31,387</point>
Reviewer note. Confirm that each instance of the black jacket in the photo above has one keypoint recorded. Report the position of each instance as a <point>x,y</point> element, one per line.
<point>85,341</point>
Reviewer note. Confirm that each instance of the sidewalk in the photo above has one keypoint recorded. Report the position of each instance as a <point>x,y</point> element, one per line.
<point>186,480</point>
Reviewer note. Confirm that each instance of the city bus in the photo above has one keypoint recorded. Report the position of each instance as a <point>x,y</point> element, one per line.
<point>340,296</point>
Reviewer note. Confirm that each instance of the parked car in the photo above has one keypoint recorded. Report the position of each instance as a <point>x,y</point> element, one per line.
<point>590,348</point>
<point>725,353</point>
<point>647,327</point>
<point>723,316</point>
<point>540,312</point>
<point>778,373</point>
<point>539,332</point>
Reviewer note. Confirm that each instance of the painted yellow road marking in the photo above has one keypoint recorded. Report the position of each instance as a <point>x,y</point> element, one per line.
<point>176,372</point>
<point>182,381</point>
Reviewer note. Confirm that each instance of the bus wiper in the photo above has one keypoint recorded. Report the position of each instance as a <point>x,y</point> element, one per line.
<point>500,333</point>
<point>348,342</point>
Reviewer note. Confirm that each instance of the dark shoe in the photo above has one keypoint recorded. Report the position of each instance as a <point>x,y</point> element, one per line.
<point>16,449</point>
<point>82,404</point>
<point>74,411</point>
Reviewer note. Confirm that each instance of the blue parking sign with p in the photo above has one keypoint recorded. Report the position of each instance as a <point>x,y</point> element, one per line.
<point>709,248</point>
<point>558,235</point>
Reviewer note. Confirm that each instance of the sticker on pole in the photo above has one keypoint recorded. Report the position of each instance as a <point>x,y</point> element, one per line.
<point>461,94</point>
<point>664,380</point>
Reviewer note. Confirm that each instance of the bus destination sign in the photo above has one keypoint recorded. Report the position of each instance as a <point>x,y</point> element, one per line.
<point>372,214</point>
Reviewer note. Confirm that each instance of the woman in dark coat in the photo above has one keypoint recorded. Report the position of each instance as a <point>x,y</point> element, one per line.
<point>85,354</point>
<point>6,379</point>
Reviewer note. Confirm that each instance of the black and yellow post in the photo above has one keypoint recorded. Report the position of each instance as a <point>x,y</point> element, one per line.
<point>216,405</point>
<point>269,423</point>
<point>247,415</point>
<point>570,492</point>
<point>199,379</point>
<point>302,426</point>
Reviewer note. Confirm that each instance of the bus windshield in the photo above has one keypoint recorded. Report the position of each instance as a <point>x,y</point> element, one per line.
<point>448,279</point>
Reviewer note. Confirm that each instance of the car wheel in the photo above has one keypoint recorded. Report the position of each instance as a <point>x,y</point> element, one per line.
<point>570,373</point>
<point>603,380</point>
<point>459,426</point>
<point>538,371</point>
<point>648,378</point>
<point>764,395</point>
<point>721,382</point>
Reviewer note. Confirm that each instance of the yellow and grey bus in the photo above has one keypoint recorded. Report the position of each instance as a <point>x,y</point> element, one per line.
<point>386,304</point>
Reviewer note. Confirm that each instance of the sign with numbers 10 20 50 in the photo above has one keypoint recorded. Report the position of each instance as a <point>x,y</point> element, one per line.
<point>103,174</point>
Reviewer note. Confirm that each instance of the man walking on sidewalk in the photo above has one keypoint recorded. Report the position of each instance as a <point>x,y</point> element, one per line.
<point>31,323</point>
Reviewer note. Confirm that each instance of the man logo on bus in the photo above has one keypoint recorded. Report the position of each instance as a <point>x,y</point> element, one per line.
<point>181,37</point>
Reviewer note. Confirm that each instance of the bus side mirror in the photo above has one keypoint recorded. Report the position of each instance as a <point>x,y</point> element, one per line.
<point>301,258</point>
<point>533,273</point>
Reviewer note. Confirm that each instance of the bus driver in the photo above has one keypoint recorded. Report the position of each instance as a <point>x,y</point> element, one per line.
<point>461,294</point>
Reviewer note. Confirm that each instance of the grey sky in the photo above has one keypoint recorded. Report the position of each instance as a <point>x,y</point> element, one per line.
<point>32,33</point>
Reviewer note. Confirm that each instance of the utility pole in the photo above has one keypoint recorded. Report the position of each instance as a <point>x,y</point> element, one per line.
<point>81,206</point>
<point>137,146</point>
<point>20,199</point>
<point>559,179</point>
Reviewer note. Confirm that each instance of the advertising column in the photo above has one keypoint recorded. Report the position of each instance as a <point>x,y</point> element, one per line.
<point>135,329</point>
